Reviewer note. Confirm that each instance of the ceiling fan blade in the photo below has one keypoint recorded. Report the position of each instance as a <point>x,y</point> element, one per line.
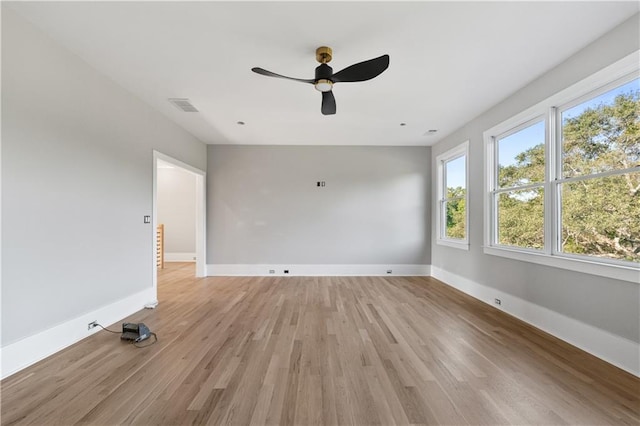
<point>273,74</point>
<point>362,71</point>
<point>328,103</point>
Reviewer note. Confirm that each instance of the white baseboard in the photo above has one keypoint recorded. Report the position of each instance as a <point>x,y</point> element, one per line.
<point>616,350</point>
<point>317,270</point>
<point>179,257</point>
<point>32,349</point>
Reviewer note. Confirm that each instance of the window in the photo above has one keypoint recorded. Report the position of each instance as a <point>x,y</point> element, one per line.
<point>519,190</point>
<point>599,183</point>
<point>452,216</point>
<point>563,178</point>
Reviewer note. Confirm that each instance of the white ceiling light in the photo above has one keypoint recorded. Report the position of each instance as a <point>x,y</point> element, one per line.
<point>324,85</point>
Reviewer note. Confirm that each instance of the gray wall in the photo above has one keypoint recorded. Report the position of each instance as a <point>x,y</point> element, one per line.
<point>77,164</point>
<point>176,204</point>
<point>264,206</point>
<point>608,304</point>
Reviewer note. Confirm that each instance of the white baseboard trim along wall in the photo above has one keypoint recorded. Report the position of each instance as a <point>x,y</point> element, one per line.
<point>616,350</point>
<point>23,353</point>
<point>179,257</point>
<point>317,270</point>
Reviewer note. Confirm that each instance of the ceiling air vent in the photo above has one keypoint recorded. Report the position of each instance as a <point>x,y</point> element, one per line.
<point>183,104</point>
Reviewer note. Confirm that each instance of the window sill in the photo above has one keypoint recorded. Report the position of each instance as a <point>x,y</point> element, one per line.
<point>462,245</point>
<point>617,272</point>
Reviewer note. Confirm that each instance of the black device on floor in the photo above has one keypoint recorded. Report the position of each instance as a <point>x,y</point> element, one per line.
<point>135,332</point>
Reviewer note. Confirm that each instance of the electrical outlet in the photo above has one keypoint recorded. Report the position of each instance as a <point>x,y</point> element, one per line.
<point>389,271</point>
<point>272,271</point>
<point>92,324</point>
<point>286,271</point>
<point>497,301</point>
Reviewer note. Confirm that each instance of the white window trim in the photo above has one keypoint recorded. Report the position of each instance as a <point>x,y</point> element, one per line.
<point>626,67</point>
<point>452,154</point>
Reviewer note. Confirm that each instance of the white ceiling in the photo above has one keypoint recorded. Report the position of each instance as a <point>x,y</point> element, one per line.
<point>450,61</point>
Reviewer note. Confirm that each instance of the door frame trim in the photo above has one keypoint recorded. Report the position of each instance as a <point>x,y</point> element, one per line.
<point>201,196</point>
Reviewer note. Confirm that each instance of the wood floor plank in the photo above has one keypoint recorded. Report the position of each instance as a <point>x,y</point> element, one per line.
<point>321,351</point>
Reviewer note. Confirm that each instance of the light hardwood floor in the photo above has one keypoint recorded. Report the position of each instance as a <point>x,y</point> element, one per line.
<point>321,350</point>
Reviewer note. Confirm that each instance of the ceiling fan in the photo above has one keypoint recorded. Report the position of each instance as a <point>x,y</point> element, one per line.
<point>325,78</point>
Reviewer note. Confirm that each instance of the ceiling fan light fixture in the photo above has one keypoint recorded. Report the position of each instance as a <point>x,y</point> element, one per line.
<point>325,77</point>
<point>324,85</point>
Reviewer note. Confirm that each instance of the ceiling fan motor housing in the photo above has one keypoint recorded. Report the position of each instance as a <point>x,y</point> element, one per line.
<point>323,82</point>
<point>323,72</point>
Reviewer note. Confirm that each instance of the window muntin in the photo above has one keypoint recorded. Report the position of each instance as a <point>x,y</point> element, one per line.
<point>453,197</point>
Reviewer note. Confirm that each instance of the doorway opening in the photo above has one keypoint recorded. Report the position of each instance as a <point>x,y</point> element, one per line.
<point>185,214</point>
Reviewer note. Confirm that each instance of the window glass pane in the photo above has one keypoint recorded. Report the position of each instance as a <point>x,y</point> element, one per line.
<point>520,218</point>
<point>521,157</point>
<point>455,173</point>
<point>455,219</point>
<point>602,133</point>
<point>601,217</point>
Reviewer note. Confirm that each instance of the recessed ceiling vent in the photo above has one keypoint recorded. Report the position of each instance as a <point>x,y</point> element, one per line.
<point>183,104</point>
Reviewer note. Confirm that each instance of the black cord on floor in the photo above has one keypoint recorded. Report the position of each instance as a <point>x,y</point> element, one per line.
<point>155,336</point>
<point>152,343</point>
<point>110,331</point>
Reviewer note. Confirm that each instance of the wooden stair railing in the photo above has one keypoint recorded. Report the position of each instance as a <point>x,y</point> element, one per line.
<point>160,246</point>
